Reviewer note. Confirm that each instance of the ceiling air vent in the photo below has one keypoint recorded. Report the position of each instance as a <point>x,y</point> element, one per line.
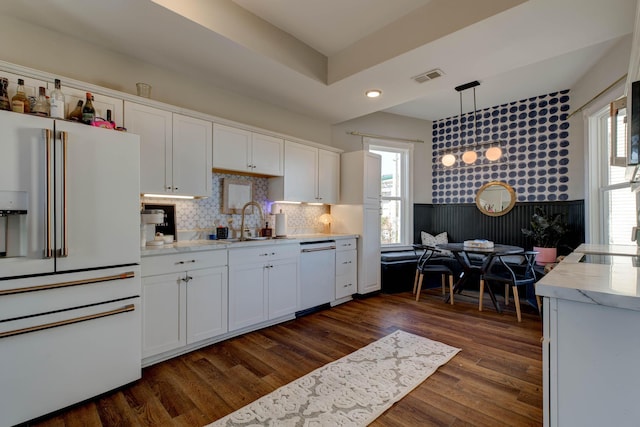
<point>429,75</point>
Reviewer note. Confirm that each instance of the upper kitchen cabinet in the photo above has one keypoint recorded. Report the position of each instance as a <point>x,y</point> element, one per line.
<point>175,151</point>
<point>101,103</point>
<point>360,178</point>
<point>30,85</point>
<point>311,175</point>
<point>249,152</point>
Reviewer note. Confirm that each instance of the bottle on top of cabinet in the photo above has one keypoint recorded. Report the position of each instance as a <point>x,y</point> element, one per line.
<point>4,95</point>
<point>20,103</point>
<point>88,112</point>
<point>76,114</point>
<point>57,102</point>
<point>41,108</point>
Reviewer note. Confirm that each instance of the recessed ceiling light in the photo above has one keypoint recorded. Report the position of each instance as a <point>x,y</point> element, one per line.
<point>373,93</point>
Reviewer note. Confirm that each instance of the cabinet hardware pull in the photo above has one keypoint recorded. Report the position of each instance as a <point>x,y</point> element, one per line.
<point>126,308</point>
<point>48,253</point>
<point>191,261</point>
<point>64,250</point>
<point>127,275</point>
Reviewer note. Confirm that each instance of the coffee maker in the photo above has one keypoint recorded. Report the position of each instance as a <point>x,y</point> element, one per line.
<point>149,218</point>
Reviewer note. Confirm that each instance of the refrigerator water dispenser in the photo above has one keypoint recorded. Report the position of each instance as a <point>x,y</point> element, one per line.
<point>13,224</point>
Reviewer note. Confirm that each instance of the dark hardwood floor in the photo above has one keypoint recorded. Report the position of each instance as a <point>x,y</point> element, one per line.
<point>495,380</point>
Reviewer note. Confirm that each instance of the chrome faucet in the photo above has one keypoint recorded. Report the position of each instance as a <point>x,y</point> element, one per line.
<point>246,205</point>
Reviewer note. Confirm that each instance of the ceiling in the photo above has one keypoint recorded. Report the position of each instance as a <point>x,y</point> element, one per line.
<point>318,57</point>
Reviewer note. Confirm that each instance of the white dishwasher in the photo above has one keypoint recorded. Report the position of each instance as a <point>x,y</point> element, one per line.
<point>317,273</point>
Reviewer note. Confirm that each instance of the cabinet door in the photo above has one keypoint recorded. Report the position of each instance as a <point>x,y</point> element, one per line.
<point>283,287</point>
<point>101,103</point>
<point>231,148</point>
<point>370,247</point>
<point>206,303</point>
<point>328,177</point>
<point>300,172</point>
<point>155,129</point>
<point>372,177</point>
<point>192,140</point>
<point>30,85</point>
<point>163,315</point>
<point>267,155</point>
<point>247,296</point>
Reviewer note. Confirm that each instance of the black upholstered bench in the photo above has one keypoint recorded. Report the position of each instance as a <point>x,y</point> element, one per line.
<point>398,271</point>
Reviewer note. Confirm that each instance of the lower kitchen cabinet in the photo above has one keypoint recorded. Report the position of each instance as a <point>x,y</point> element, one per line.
<point>263,284</point>
<point>346,268</point>
<point>184,300</point>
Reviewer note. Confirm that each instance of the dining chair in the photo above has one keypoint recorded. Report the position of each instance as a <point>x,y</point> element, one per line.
<point>428,265</point>
<point>503,269</point>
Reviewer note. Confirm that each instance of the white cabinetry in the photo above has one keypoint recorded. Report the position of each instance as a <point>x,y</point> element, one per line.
<point>310,175</point>
<point>244,151</point>
<point>590,363</point>
<point>184,300</point>
<point>346,268</point>
<point>263,284</point>
<point>101,103</point>
<point>175,151</point>
<point>359,213</point>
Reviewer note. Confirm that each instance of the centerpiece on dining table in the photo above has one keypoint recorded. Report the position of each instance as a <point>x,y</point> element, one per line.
<point>478,244</point>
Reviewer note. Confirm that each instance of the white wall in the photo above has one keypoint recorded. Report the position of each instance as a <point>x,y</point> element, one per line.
<point>392,125</point>
<point>41,49</point>
<point>606,71</point>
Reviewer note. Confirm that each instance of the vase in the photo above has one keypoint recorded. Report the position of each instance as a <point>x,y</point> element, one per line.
<point>545,255</point>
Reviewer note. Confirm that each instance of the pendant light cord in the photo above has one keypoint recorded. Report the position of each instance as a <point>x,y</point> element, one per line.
<point>475,118</point>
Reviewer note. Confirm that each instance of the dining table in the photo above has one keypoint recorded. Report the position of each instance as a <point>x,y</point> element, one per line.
<point>461,253</point>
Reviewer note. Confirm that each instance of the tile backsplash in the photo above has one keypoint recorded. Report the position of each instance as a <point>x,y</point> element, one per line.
<point>196,219</point>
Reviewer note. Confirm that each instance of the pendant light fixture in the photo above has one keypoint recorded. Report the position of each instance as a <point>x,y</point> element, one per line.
<point>470,154</point>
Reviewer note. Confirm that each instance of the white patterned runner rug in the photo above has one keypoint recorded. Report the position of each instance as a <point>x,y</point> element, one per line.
<point>353,390</point>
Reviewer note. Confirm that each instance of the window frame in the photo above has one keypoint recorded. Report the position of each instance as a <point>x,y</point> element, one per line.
<point>406,199</point>
<point>597,163</point>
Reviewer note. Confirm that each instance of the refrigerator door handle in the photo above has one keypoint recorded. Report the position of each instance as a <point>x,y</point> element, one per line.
<point>127,308</point>
<point>121,276</point>
<point>64,249</point>
<point>48,249</point>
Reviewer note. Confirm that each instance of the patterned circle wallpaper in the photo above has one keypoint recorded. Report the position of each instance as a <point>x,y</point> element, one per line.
<point>534,137</point>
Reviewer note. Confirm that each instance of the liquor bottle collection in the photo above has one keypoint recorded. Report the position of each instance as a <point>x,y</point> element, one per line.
<point>53,105</point>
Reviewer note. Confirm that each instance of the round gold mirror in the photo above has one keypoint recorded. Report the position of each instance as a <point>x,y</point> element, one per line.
<point>495,198</point>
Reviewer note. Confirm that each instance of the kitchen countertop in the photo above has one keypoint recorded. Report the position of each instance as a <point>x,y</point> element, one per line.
<point>613,285</point>
<point>206,245</point>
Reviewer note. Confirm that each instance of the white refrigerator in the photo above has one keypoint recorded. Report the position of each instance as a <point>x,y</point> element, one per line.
<point>69,264</point>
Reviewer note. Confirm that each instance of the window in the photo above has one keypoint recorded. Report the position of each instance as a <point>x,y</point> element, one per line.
<point>396,201</point>
<point>612,205</point>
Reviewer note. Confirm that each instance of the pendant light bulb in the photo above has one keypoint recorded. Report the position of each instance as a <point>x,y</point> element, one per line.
<point>448,160</point>
<point>493,153</point>
<point>469,157</point>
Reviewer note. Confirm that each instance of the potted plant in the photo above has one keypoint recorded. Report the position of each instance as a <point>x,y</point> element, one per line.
<point>546,231</point>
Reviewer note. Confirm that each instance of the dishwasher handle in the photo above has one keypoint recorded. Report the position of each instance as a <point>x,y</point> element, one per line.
<point>324,248</point>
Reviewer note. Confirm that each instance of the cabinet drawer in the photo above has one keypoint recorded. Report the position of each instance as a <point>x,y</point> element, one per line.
<point>345,244</point>
<point>345,262</point>
<point>257,254</point>
<point>346,285</point>
<point>162,264</point>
